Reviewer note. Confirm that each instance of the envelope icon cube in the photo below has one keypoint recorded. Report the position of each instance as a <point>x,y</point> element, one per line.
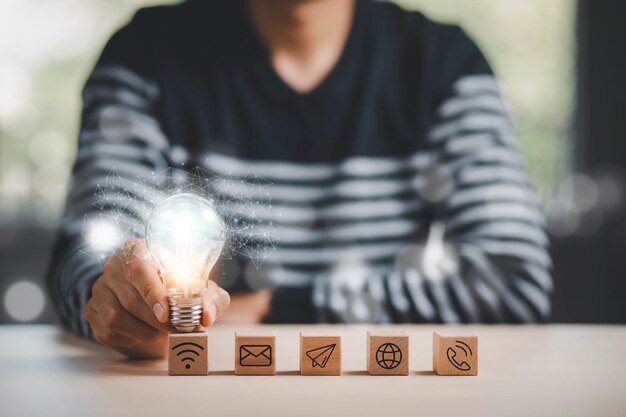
<point>255,353</point>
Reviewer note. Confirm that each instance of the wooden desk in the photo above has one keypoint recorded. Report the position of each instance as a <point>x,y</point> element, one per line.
<point>524,371</point>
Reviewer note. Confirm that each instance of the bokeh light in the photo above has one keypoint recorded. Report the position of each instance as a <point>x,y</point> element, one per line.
<point>15,85</point>
<point>436,259</point>
<point>24,301</point>
<point>103,235</point>
<point>437,183</point>
<point>47,145</point>
<point>585,202</point>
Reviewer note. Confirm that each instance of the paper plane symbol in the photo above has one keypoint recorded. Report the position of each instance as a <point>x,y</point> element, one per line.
<point>319,356</point>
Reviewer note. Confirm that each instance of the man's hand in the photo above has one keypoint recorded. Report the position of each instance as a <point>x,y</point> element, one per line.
<point>128,309</point>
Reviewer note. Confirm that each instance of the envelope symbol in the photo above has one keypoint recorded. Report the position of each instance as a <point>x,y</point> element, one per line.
<point>255,355</point>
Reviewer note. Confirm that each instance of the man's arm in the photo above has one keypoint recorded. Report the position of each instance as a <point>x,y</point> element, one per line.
<point>490,218</point>
<point>124,304</point>
<point>485,258</point>
<point>118,131</point>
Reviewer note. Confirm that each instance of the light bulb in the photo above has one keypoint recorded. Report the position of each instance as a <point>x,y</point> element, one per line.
<point>185,237</point>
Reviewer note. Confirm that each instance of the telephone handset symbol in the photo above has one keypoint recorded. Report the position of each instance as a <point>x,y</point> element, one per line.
<point>455,357</point>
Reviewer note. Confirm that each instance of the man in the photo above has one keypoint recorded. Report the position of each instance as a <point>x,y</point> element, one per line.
<point>396,185</point>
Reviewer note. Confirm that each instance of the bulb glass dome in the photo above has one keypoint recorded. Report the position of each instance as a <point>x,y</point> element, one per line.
<point>185,236</point>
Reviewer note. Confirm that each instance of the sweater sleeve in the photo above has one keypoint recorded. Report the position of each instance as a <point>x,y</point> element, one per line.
<point>487,213</point>
<point>119,132</point>
<point>485,257</point>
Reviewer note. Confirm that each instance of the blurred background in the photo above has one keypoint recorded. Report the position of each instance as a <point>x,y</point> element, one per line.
<point>561,64</point>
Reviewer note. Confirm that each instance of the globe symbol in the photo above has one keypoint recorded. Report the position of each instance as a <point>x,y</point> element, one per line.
<point>388,356</point>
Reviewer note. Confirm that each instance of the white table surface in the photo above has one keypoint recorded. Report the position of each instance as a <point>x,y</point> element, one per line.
<point>523,371</point>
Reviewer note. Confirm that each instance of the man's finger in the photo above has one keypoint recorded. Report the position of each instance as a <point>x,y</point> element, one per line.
<point>143,274</point>
<point>117,319</point>
<point>135,250</point>
<point>105,335</point>
<point>134,304</point>
<point>214,301</point>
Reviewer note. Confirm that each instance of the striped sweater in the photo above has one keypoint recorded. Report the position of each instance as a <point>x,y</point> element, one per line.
<point>396,185</point>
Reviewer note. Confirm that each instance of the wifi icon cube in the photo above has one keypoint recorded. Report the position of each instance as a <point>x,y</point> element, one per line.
<point>320,353</point>
<point>188,354</point>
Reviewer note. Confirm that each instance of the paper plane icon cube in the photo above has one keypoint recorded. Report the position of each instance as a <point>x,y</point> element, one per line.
<point>319,357</point>
<point>320,354</point>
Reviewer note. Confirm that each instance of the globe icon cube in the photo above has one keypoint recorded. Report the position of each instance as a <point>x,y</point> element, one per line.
<point>387,353</point>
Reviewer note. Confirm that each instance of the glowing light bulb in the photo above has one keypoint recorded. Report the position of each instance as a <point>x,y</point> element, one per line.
<point>185,236</point>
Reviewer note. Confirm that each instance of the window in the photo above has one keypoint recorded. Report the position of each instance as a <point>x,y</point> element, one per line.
<point>531,47</point>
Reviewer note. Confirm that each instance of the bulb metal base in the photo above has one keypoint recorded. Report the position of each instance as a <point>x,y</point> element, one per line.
<point>185,313</point>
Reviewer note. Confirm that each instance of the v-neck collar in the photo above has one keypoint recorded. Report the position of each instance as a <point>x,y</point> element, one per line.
<point>274,82</point>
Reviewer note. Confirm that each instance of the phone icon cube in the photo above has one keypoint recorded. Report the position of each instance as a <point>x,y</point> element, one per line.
<point>455,354</point>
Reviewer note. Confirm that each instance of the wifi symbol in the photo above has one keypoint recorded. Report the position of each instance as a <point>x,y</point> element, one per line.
<point>186,350</point>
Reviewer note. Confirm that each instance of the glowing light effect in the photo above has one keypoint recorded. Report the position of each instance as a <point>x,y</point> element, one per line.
<point>127,203</point>
<point>438,259</point>
<point>103,235</point>
<point>185,236</point>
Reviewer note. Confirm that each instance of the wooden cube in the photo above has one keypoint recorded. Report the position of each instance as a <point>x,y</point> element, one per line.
<point>387,353</point>
<point>255,353</point>
<point>320,354</point>
<point>188,354</point>
<point>455,355</point>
